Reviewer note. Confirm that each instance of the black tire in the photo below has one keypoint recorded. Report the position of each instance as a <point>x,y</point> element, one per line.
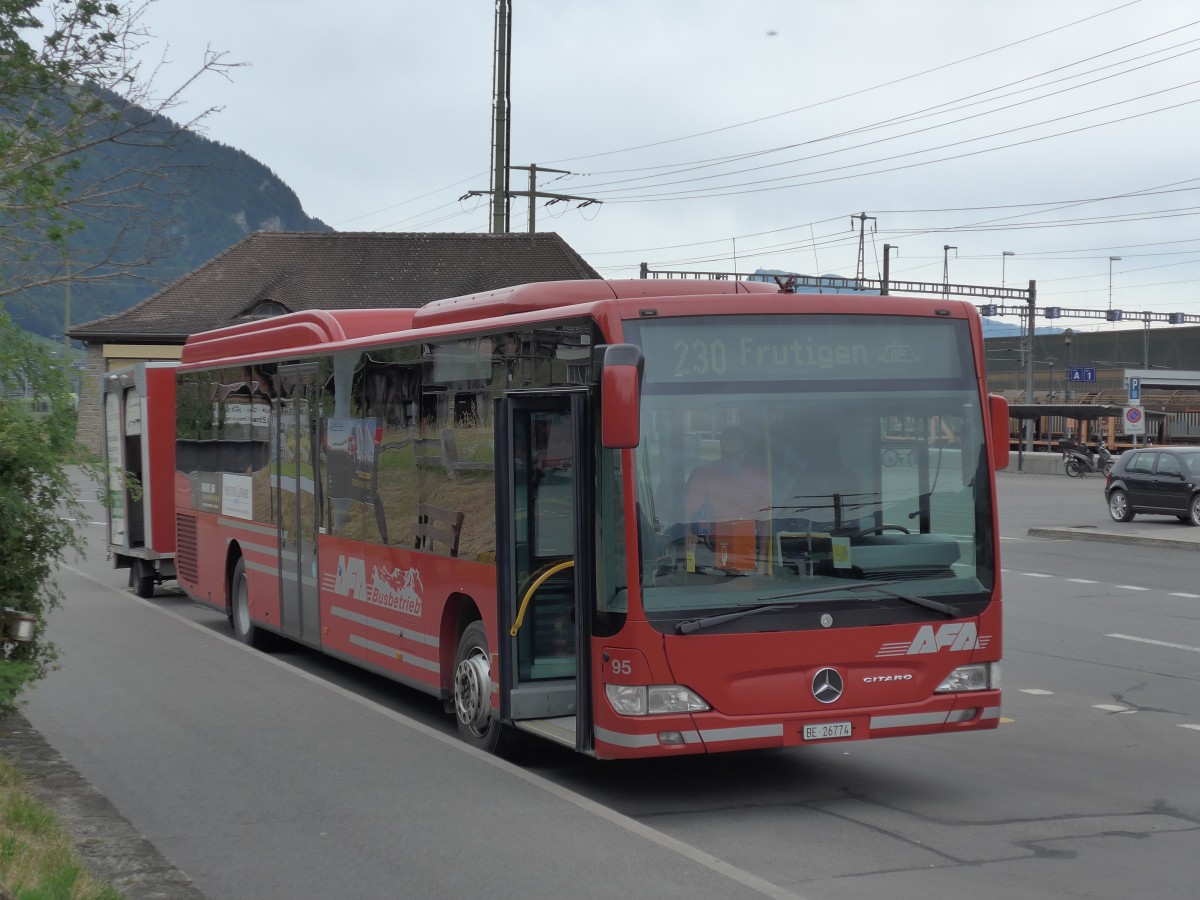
<point>1074,469</point>
<point>1193,516</point>
<point>244,628</point>
<point>1118,506</point>
<point>142,584</point>
<point>477,725</point>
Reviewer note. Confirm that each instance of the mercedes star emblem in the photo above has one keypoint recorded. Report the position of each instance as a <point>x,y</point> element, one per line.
<point>827,685</point>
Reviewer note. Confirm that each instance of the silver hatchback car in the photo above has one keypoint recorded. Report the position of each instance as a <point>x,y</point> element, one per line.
<point>1161,481</point>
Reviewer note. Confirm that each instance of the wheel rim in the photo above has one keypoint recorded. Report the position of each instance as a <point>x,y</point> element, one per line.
<point>241,607</point>
<point>473,691</point>
<point>1117,505</point>
<point>1196,510</point>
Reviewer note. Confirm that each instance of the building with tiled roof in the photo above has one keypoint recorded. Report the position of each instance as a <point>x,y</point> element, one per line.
<point>271,273</point>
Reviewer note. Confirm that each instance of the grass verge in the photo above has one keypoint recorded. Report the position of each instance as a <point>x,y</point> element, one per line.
<point>37,858</point>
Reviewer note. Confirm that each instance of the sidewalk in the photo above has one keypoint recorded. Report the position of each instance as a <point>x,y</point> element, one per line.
<point>1156,531</point>
<point>111,847</point>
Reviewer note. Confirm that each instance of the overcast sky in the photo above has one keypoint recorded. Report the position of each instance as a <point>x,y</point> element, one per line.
<point>1063,132</point>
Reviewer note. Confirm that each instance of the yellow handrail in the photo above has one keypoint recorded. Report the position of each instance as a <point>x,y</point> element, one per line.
<point>541,579</point>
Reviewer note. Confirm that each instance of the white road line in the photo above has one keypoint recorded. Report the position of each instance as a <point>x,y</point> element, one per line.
<point>1184,594</point>
<point>1142,640</point>
<point>1109,707</point>
<point>695,854</point>
<point>1130,587</point>
<point>1037,574</point>
<point>1037,692</point>
<point>1082,581</point>
<point>1192,727</point>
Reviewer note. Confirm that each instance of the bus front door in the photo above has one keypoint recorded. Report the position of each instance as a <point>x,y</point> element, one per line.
<point>544,565</point>
<point>297,505</point>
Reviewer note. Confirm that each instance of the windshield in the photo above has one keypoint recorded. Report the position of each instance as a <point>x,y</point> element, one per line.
<point>797,455</point>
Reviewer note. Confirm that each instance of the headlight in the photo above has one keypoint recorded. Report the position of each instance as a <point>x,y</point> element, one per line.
<point>654,700</point>
<point>979,677</point>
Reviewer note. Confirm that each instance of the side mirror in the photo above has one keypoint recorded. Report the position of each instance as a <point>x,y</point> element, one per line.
<point>998,407</point>
<point>620,396</point>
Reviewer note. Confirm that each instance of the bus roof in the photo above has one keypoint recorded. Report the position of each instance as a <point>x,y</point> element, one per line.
<point>309,331</point>
<point>311,328</point>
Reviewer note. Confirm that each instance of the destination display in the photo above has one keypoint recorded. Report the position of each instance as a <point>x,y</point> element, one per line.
<point>799,347</point>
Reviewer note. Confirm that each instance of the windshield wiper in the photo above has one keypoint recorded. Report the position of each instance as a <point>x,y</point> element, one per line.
<point>950,612</point>
<point>691,626</point>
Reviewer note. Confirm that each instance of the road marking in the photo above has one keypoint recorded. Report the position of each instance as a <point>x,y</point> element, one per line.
<point>664,840</point>
<point>1192,727</point>
<point>1130,587</point>
<point>1142,640</point>
<point>1037,575</point>
<point>1037,692</point>
<point>1109,707</point>
<point>1082,581</point>
<point>1184,594</point>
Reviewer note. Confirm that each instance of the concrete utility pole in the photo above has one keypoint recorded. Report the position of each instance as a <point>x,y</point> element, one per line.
<point>1031,315</point>
<point>501,120</point>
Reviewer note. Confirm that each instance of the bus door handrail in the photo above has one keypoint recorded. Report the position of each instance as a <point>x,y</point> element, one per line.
<point>538,582</point>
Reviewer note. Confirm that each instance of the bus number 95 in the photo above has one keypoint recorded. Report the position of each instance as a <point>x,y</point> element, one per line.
<point>699,358</point>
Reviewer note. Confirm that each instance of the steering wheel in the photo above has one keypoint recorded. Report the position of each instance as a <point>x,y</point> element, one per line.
<point>876,529</point>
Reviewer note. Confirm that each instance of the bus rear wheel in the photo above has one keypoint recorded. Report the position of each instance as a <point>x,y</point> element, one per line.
<point>244,628</point>
<point>473,691</point>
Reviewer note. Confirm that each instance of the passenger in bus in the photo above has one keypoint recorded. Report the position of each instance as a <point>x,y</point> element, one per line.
<point>728,503</point>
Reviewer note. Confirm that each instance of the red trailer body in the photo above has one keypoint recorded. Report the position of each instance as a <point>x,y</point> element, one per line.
<point>139,444</point>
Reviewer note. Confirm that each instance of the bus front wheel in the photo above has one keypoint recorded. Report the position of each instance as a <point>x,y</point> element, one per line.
<point>473,690</point>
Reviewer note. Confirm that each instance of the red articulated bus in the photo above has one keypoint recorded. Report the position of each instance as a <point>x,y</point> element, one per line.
<point>638,518</point>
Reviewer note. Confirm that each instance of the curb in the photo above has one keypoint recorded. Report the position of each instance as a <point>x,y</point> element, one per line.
<point>1104,537</point>
<point>111,848</point>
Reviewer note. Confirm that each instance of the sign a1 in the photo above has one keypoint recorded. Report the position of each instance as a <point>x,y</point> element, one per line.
<point>1135,420</point>
<point>1085,374</point>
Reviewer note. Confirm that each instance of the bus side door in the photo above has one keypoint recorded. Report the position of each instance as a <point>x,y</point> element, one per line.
<point>297,506</point>
<point>545,550</point>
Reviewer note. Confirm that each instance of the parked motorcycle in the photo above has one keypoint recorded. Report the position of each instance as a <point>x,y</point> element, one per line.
<point>1084,462</point>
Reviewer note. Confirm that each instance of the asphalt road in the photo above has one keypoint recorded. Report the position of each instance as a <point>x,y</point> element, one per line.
<point>295,776</point>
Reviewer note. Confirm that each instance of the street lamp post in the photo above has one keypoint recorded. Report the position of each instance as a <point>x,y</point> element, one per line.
<point>1004,255</point>
<point>1069,391</point>
<point>1111,260</point>
<point>946,266</point>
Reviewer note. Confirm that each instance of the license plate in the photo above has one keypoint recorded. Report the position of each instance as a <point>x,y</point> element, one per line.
<point>827,730</point>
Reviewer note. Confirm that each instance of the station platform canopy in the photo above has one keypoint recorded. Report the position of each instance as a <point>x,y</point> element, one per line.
<point>1078,412</point>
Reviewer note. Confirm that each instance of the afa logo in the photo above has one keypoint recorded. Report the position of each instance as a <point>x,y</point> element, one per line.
<point>952,636</point>
<point>398,589</point>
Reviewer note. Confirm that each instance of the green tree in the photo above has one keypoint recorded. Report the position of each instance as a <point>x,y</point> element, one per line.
<point>37,499</point>
<point>71,87</point>
<point>84,142</point>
